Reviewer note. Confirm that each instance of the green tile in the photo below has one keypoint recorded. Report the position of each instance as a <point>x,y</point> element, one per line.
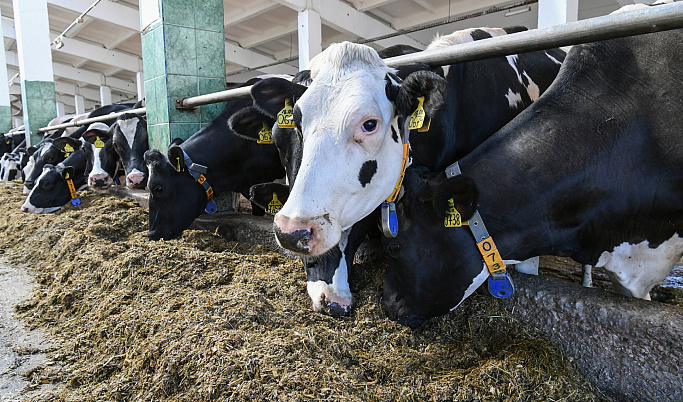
<point>181,50</point>
<point>159,136</point>
<point>179,12</point>
<point>156,100</point>
<point>183,130</point>
<point>5,119</point>
<point>182,86</point>
<point>210,54</point>
<point>182,116</point>
<point>149,61</point>
<point>38,105</point>
<point>209,15</point>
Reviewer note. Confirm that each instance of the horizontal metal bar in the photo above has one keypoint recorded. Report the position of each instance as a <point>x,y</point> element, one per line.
<point>110,116</point>
<point>189,103</point>
<point>647,20</point>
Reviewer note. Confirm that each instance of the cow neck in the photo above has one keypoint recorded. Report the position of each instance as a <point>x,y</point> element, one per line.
<point>198,172</point>
<point>500,284</point>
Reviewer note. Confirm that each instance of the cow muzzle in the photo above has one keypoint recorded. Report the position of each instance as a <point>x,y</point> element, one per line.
<point>99,181</point>
<point>327,301</point>
<point>304,237</point>
<point>135,179</point>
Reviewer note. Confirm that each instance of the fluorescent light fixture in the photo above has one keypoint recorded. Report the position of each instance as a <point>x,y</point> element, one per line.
<point>518,11</point>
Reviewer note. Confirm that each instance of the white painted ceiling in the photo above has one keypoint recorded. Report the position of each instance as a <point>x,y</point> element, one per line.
<point>105,47</point>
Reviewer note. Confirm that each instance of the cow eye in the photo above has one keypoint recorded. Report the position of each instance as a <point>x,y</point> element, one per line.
<point>393,248</point>
<point>158,190</point>
<point>370,126</point>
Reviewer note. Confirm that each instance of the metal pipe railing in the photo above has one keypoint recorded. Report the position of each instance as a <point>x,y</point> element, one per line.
<point>647,20</point>
<point>110,116</point>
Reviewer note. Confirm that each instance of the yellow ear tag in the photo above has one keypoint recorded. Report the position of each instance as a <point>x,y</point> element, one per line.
<point>274,206</point>
<point>453,219</point>
<point>417,119</point>
<point>265,136</point>
<point>177,166</point>
<point>99,143</point>
<point>66,176</point>
<point>425,128</point>
<point>284,118</point>
<point>68,149</point>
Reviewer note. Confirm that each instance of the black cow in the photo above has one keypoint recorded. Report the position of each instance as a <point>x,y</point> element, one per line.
<point>232,163</point>
<point>51,191</point>
<point>129,135</point>
<point>477,101</point>
<point>593,170</point>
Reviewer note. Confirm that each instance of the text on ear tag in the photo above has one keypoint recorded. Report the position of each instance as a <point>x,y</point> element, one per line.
<point>492,257</point>
<point>177,165</point>
<point>425,127</point>
<point>68,149</point>
<point>274,206</point>
<point>284,118</point>
<point>453,219</point>
<point>99,143</point>
<point>265,136</point>
<point>417,119</point>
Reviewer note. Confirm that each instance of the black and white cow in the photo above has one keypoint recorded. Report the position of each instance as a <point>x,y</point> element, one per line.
<point>353,120</point>
<point>129,136</point>
<point>51,191</point>
<point>593,170</point>
<point>233,163</point>
<point>328,281</point>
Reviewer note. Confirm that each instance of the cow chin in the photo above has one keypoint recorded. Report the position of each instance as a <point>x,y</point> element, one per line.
<point>311,237</point>
<point>328,300</point>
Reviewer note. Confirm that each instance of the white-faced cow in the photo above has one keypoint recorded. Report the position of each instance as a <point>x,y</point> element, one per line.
<point>477,103</point>
<point>102,157</point>
<point>593,170</point>
<point>227,161</point>
<point>353,121</point>
<point>129,136</point>
<point>52,190</point>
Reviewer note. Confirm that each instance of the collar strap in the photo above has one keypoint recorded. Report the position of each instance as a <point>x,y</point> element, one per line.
<point>75,201</point>
<point>500,284</point>
<point>198,172</point>
<point>399,182</point>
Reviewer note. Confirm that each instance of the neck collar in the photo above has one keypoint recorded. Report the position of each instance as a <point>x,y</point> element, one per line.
<point>198,172</point>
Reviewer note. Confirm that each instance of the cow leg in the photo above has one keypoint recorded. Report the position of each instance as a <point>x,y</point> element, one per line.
<point>587,276</point>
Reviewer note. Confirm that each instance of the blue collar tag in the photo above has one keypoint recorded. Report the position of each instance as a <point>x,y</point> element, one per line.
<point>116,180</point>
<point>75,202</point>
<point>500,285</point>
<point>389,220</point>
<point>211,206</point>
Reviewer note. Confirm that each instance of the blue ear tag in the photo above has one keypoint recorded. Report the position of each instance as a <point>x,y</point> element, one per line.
<point>211,206</point>
<point>116,180</point>
<point>75,202</point>
<point>389,219</point>
<point>501,286</point>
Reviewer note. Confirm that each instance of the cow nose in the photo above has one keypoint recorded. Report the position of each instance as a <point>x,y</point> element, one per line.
<point>99,181</point>
<point>29,184</point>
<point>134,180</point>
<point>24,208</point>
<point>297,241</point>
<point>333,308</point>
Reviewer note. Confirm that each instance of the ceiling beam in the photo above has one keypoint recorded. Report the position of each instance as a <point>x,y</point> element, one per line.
<point>457,9</point>
<point>114,13</point>
<point>79,27</point>
<point>120,39</point>
<point>365,5</point>
<point>269,34</point>
<point>248,58</point>
<point>252,11</point>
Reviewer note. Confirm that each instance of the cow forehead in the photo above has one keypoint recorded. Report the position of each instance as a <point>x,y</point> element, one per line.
<point>128,128</point>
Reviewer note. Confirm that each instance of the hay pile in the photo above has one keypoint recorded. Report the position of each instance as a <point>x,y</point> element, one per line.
<point>200,319</point>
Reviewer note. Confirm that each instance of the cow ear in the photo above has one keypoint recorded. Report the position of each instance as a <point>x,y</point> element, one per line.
<point>68,172</point>
<point>66,144</point>
<point>269,95</point>
<point>248,122</point>
<point>177,158</point>
<point>96,137</point>
<point>269,196</point>
<point>31,150</point>
<point>420,83</point>
<point>463,190</point>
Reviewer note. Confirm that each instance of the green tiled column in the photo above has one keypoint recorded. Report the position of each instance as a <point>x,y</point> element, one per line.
<point>183,54</point>
<point>5,118</point>
<point>38,105</point>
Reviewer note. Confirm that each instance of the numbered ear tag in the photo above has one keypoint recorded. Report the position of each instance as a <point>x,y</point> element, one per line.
<point>265,136</point>
<point>274,206</point>
<point>453,219</point>
<point>502,286</point>
<point>68,149</point>
<point>425,127</point>
<point>75,201</point>
<point>177,165</point>
<point>389,219</point>
<point>99,143</point>
<point>211,206</point>
<point>417,119</point>
<point>284,118</point>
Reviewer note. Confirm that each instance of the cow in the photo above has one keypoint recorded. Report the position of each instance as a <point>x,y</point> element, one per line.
<point>229,163</point>
<point>102,157</point>
<point>10,167</point>
<point>593,170</point>
<point>52,191</point>
<point>353,120</point>
<point>129,136</point>
<point>329,288</point>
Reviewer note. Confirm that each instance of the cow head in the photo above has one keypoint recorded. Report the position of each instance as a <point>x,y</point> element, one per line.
<point>50,151</point>
<point>173,206</point>
<point>51,191</point>
<point>351,119</point>
<point>129,135</point>
<point>432,268</point>
<point>101,155</point>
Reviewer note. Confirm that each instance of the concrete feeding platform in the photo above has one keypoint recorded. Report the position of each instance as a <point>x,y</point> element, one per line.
<point>630,348</point>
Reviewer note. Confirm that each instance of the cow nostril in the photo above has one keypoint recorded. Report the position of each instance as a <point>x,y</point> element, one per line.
<point>297,240</point>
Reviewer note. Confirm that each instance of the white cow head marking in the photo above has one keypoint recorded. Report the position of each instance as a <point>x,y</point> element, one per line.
<point>348,116</point>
